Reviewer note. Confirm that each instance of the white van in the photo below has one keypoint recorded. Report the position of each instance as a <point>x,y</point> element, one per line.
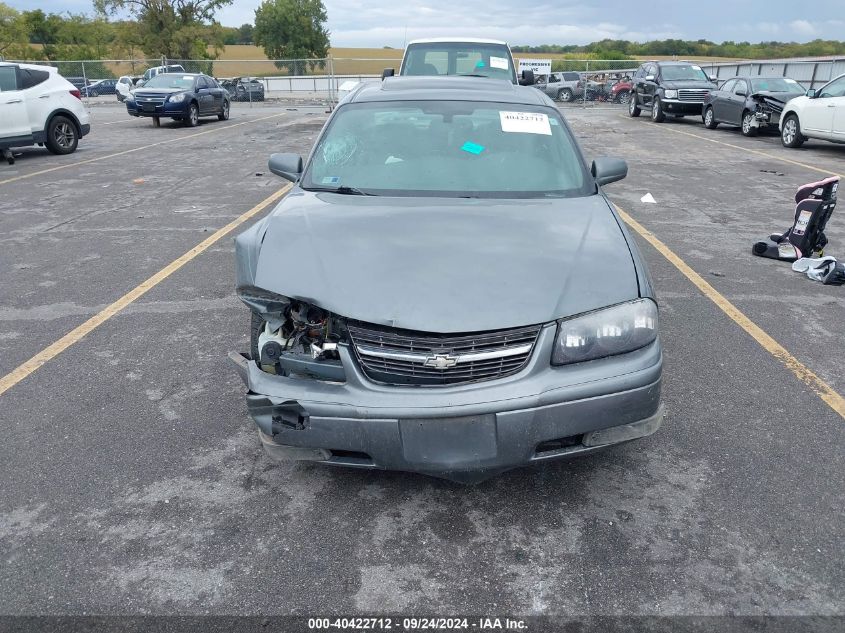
<point>468,57</point>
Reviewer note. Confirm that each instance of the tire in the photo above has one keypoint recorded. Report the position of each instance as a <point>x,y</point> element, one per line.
<point>747,127</point>
<point>156,122</point>
<point>93,93</point>
<point>193,118</point>
<point>790,134</point>
<point>623,97</point>
<point>633,108</point>
<point>709,119</point>
<point>62,135</point>
<point>224,115</point>
<point>657,114</point>
<point>564,95</point>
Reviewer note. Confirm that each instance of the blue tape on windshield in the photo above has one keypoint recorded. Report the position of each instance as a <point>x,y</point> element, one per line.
<point>472,148</point>
<point>480,64</point>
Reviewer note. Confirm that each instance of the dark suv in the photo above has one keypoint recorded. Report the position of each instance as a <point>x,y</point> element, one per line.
<point>674,88</point>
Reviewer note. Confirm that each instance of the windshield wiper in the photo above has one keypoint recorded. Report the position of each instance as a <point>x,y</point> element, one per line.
<point>344,190</point>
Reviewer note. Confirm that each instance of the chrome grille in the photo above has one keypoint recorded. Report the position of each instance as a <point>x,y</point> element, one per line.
<point>149,98</point>
<point>406,357</point>
<point>692,95</point>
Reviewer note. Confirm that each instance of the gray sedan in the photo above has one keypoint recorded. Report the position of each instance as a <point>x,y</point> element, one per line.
<point>446,290</point>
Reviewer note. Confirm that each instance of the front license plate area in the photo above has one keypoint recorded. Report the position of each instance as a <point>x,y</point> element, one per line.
<point>148,107</point>
<point>449,441</point>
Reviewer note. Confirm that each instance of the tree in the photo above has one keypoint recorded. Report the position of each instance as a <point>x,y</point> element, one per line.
<point>180,29</point>
<point>13,29</point>
<point>291,31</point>
<point>245,34</point>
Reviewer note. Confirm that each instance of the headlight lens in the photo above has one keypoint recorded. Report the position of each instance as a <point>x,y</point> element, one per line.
<point>671,94</point>
<point>607,332</point>
<point>177,98</point>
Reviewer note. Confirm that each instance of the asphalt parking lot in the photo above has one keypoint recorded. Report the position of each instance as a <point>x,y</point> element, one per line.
<point>134,482</point>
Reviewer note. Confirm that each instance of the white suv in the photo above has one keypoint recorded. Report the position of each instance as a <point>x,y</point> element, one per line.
<point>39,106</point>
<point>123,86</point>
<point>818,115</point>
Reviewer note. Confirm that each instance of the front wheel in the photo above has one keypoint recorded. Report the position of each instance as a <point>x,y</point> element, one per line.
<point>224,115</point>
<point>193,117</point>
<point>633,108</point>
<point>790,134</point>
<point>62,137</point>
<point>748,128</point>
<point>657,114</point>
<point>564,95</point>
<point>623,97</point>
<point>710,121</point>
<point>93,93</point>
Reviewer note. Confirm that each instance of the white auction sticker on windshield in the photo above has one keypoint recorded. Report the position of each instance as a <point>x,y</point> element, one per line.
<point>499,62</point>
<point>525,122</point>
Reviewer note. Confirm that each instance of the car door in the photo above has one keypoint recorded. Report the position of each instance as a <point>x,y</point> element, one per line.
<point>650,86</point>
<point>41,98</point>
<point>720,97</point>
<point>817,115</point>
<point>14,119</point>
<point>216,94</point>
<point>204,96</point>
<point>736,102</point>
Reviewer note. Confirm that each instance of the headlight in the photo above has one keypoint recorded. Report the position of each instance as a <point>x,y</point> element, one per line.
<point>178,98</point>
<point>671,94</point>
<point>607,332</point>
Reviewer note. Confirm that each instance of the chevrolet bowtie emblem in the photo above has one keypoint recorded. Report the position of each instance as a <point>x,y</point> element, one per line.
<point>441,361</point>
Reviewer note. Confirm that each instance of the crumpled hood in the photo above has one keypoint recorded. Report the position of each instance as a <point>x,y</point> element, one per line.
<point>446,265</point>
<point>783,97</point>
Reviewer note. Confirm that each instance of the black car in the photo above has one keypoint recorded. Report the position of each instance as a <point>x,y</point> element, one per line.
<point>179,96</point>
<point>673,88</point>
<point>102,87</point>
<point>244,89</point>
<point>749,102</point>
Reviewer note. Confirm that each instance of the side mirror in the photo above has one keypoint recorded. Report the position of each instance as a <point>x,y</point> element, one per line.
<point>288,166</point>
<point>712,78</point>
<point>649,77</point>
<point>527,78</point>
<point>607,170</point>
<point>387,72</point>
<point>811,93</point>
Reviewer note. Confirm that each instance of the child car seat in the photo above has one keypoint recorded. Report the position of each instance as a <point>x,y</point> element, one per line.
<point>815,204</point>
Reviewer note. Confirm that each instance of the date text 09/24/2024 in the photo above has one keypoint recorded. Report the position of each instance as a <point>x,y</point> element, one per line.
<point>417,624</point>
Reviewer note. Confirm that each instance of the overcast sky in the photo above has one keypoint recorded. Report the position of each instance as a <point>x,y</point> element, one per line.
<point>375,23</point>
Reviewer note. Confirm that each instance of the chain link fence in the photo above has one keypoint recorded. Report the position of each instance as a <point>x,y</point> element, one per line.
<point>573,82</point>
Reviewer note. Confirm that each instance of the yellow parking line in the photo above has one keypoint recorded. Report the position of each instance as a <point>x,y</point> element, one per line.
<point>78,333</point>
<point>137,149</point>
<point>833,399</point>
<point>821,170</point>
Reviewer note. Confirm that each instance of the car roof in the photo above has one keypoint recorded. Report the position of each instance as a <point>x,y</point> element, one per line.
<point>429,88</point>
<point>51,69</point>
<point>456,40</point>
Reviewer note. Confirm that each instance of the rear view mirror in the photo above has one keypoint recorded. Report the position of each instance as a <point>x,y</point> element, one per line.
<point>387,72</point>
<point>606,170</point>
<point>288,166</point>
<point>811,93</point>
<point>527,78</point>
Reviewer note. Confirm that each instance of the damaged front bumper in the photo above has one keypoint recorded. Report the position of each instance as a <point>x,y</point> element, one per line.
<point>464,432</point>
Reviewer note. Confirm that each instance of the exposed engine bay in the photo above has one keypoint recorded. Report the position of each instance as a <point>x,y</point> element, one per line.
<point>294,337</point>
